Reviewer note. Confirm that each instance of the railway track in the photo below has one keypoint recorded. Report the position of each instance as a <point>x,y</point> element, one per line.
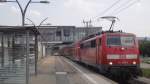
<point>139,80</point>
<point>135,81</point>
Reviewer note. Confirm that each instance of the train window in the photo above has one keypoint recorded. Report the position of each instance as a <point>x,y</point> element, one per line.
<point>127,41</point>
<point>120,40</point>
<point>100,41</point>
<point>93,43</point>
<point>87,45</point>
<point>113,40</point>
<point>81,46</point>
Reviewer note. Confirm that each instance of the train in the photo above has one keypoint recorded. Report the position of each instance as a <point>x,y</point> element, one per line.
<point>67,51</point>
<point>114,52</point>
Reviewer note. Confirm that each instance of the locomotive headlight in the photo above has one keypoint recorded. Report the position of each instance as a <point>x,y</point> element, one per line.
<point>134,62</point>
<point>131,56</point>
<point>113,56</point>
<point>110,63</point>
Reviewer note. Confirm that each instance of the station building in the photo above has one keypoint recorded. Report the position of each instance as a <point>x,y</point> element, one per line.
<point>57,36</point>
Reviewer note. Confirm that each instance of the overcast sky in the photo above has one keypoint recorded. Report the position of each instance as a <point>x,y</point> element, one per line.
<point>135,19</point>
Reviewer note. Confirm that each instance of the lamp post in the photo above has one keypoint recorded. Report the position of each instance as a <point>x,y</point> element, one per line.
<point>35,48</point>
<point>23,11</point>
<point>42,35</point>
<point>43,38</point>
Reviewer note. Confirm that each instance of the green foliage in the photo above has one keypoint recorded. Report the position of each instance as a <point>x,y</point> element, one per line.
<point>145,48</point>
<point>146,73</point>
<point>148,62</point>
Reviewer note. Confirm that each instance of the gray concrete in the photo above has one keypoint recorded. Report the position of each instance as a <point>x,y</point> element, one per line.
<point>145,65</point>
<point>58,70</point>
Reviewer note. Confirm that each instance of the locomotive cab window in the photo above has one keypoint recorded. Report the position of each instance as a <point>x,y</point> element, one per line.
<point>113,40</point>
<point>120,40</point>
<point>127,41</point>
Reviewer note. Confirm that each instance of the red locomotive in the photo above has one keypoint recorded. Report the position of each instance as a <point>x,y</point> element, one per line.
<point>110,52</point>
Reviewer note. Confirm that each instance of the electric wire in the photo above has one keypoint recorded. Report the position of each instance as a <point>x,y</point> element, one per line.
<point>106,10</point>
<point>126,7</point>
<point>120,6</point>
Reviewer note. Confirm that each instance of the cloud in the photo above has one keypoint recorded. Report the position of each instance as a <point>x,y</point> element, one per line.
<point>88,7</point>
<point>1,4</point>
<point>31,12</point>
<point>34,13</point>
<point>79,4</point>
<point>15,9</point>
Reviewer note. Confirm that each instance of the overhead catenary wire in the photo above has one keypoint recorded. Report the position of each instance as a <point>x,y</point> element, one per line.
<point>120,6</point>
<point>126,7</point>
<point>119,9</point>
<point>106,10</point>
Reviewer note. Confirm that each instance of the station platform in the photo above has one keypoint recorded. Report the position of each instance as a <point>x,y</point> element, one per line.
<point>60,70</point>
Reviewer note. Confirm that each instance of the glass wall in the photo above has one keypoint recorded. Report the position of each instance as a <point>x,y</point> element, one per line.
<point>13,57</point>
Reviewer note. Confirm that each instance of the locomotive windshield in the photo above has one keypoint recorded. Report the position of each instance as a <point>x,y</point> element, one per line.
<point>120,40</point>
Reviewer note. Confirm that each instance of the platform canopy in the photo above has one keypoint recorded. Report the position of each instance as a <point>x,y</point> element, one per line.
<point>19,29</point>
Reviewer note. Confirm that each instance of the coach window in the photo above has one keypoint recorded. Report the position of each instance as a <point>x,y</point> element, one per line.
<point>86,44</point>
<point>81,45</point>
<point>93,43</point>
<point>100,42</point>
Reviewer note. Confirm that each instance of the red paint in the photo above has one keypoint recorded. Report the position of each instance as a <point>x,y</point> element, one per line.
<point>98,55</point>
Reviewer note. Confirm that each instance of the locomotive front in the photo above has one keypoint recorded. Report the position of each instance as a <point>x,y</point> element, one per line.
<point>122,53</point>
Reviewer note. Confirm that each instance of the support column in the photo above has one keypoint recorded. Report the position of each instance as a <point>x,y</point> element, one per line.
<point>13,48</point>
<point>74,35</point>
<point>62,34</point>
<point>55,35</point>
<point>27,57</point>
<point>42,50</point>
<point>2,42</point>
<point>36,53</point>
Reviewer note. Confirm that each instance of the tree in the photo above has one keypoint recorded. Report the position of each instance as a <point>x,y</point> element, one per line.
<point>145,48</point>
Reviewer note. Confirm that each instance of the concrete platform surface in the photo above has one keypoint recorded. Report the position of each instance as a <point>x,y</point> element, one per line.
<point>60,70</point>
<point>145,65</point>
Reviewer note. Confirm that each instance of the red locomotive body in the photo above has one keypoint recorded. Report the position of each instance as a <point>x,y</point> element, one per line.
<point>110,52</point>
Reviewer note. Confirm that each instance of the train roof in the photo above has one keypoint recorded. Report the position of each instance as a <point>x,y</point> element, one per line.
<point>106,33</point>
<point>118,33</point>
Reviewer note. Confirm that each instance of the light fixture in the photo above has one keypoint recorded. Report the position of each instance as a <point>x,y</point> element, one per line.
<point>134,62</point>
<point>110,63</point>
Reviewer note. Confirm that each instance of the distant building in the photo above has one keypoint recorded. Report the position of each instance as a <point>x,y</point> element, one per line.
<point>81,32</point>
<point>62,34</point>
<point>54,36</point>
